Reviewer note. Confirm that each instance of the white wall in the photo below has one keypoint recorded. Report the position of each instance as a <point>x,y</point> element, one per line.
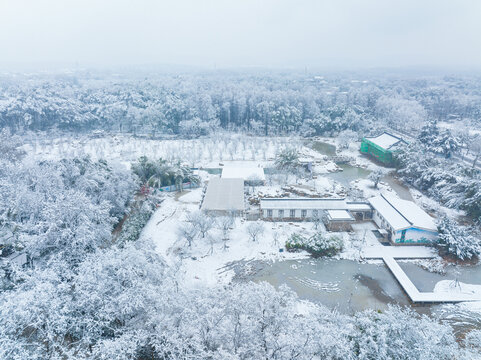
<point>287,214</point>
<point>414,235</point>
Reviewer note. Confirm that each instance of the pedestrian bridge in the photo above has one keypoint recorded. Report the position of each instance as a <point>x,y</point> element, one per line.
<point>388,254</point>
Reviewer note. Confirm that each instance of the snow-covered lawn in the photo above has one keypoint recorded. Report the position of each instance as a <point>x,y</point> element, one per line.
<point>453,287</point>
<point>204,152</point>
<point>205,262</point>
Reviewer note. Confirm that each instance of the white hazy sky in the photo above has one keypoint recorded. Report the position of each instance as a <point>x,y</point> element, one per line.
<point>225,33</point>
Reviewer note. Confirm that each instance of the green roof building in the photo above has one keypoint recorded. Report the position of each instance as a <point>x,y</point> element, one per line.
<point>382,147</point>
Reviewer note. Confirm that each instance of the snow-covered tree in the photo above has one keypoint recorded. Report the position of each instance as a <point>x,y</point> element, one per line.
<point>376,176</point>
<point>346,138</point>
<point>188,232</point>
<point>458,240</point>
<point>437,141</point>
<point>287,159</point>
<point>10,147</point>
<point>201,221</point>
<point>255,229</point>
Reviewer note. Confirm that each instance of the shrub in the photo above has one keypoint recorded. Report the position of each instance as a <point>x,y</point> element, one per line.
<point>135,223</point>
<point>317,245</point>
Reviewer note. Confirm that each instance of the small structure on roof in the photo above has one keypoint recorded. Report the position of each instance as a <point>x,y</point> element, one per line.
<point>382,147</point>
<point>339,220</point>
<point>252,176</point>
<point>405,222</point>
<point>361,210</point>
<point>224,196</point>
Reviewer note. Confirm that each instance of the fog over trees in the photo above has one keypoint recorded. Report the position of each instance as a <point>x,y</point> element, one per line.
<point>263,103</point>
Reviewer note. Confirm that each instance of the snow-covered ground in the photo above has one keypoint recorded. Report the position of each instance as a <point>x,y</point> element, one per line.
<point>206,262</point>
<point>461,289</point>
<point>453,287</point>
<point>204,152</point>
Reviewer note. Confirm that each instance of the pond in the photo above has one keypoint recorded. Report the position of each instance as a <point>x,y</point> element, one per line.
<point>323,148</point>
<point>345,285</point>
<point>347,174</point>
<point>213,171</point>
<point>349,286</point>
<point>401,190</point>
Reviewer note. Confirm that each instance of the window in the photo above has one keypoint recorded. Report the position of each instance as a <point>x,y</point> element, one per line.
<point>292,213</point>
<point>281,213</point>
<point>315,213</point>
<point>269,213</point>
<point>303,213</point>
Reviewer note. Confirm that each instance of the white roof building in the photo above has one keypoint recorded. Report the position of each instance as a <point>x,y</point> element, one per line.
<point>224,195</point>
<point>386,141</point>
<point>402,214</point>
<point>245,173</point>
<point>339,215</point>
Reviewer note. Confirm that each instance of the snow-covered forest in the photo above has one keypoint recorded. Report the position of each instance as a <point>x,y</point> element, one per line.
<point>95,288</point>
<point>263,103</point>
<point>442,113</point>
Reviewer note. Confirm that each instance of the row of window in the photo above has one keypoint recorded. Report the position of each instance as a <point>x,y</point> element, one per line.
<point>292,213</point>
<point>384,223</point>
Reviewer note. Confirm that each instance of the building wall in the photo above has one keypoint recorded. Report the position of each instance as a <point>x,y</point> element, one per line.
<point>383,155</point>
<point>382,223</point>
<point>287,214</point>
<point>415,236</point>
<point>412,236</point>
<point>223,212</point>
<point>379,220</point>
<point>363,215</point>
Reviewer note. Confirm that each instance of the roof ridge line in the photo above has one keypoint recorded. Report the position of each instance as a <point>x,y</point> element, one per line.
<point>405,218</point>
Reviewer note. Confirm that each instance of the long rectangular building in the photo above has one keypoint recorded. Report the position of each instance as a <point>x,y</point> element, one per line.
<point>224,196</point>
<point>299,208</point>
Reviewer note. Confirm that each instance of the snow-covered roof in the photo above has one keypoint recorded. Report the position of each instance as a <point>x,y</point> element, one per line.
<point>358,206</point>
<point>246,173</point>
<point>402,214</point>
<point>386,140</point>
<point>224,195</point>
<point>339,215</point>
<point>304,203</point>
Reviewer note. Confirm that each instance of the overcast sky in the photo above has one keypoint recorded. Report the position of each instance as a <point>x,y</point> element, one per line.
<point>224,33</point>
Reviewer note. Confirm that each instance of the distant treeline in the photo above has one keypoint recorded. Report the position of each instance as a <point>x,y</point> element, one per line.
<point>192,105</point>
